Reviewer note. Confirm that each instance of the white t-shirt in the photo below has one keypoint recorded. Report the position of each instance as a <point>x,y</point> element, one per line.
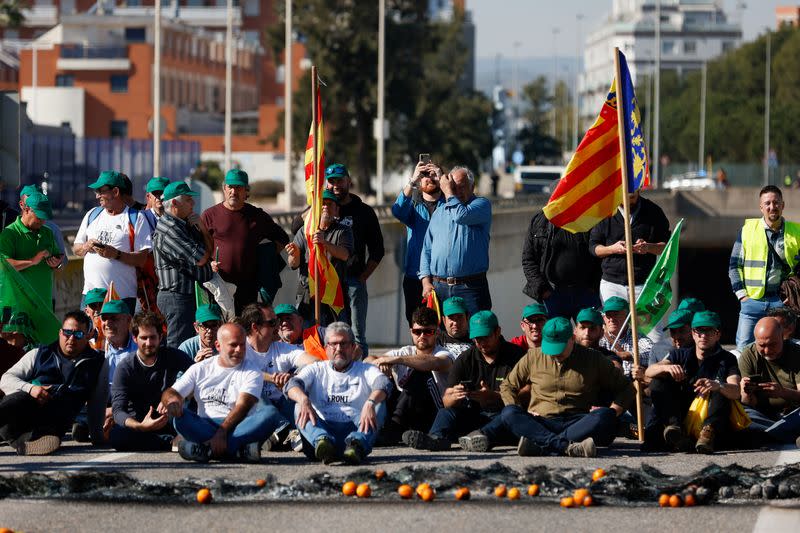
<point>113,230</point>
<point>279,357</point>
<point>402,372</point>
<point>340,396</point>
<point>216,388</point>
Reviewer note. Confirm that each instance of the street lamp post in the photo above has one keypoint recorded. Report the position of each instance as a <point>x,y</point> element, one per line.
<point>380,129</point>
<point>157,91</point>
<point>576,116</point>
<point>702,144</point>
<point>657,98</point>
<point>287,113</point>
<point>555,80</point>
<point>766,108</point>
<point>228,84</point>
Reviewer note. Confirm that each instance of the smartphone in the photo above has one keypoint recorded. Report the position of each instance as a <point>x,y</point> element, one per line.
<point>467,385</point>
<point>757,379</point>
<point>99,245</point>
<point>425,158</point>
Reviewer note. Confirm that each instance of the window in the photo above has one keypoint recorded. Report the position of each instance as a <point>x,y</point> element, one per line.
<point>667,47</point>
<point>133,3</point>
<point>65,80</point>
<point>252,8</point>
<point>119,128</point>
<point>135,35</point>
<point>66,125</point>
<point>119,83</point>
<point>727,46</point>
<point>67,7</point>
<point>195,3</point>
<point>690,47</point>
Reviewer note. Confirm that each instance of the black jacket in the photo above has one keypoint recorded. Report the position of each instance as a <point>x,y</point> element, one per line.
<point>554,257</point>
<point>367,236</point>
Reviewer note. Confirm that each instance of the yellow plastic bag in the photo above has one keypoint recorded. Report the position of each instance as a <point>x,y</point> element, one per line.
<point>739,418</point>
<point>698,412</point>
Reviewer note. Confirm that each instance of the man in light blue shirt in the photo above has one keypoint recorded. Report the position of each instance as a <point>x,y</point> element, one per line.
<point>455,254</point>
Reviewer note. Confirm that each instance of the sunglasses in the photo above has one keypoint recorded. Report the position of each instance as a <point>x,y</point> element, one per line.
<point>535,321</point>
<point>423,331</point>
<point>78,334</point>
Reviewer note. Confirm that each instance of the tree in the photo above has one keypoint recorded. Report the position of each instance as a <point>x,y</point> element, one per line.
<point>536,144</point>
<point>11,13</point>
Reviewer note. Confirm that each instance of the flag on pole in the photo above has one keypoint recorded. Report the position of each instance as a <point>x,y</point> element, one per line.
<point>312,344</point>
<point>17,296</point>
<point>432,302</point>
<point>200,296</point>
<point>656,295</point>
<point>591,188</point>
<point>309,158</point>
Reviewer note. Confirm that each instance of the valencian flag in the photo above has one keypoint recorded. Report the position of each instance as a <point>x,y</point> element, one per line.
<point>18,297</point>
<point>591,188</point>
<point>309,159</point>
<point>432,302</point>
<point>656,295</point>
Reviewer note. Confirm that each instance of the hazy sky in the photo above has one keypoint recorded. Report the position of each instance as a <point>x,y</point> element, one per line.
<point>500,23</point>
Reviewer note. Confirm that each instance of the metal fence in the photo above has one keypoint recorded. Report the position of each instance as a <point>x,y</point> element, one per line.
<point>68,164</point>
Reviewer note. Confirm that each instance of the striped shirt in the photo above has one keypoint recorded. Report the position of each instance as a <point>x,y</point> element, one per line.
<point>774,269</point>
<point>176,249</point>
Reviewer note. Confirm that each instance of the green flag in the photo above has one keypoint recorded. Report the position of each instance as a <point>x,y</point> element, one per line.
<point>656,296</point>
<point>200,296</point>
<point>17,296</point>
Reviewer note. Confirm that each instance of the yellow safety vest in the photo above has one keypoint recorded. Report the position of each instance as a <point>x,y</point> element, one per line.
<point>756,251</point>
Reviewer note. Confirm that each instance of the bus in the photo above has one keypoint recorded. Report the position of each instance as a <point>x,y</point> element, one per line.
<point>537,179</point>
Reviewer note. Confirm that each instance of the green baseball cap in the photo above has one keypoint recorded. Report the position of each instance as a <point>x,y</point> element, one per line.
<point>29,189</point>
<point>454,306</point>
<point>285,309</point>
<point>692,304</point>
<point>237,178</point>
<point>534,309</point>
<point>590,314</point>
<point>208,312</point>
<point>159,183</point>
<point>706,319</point>
<point>335,171</point>
<point>328,195</point>
<point>115,307</point>
<point>555,335</point>
<point>111,178</point>
<point>679,318</point>
<point>482,324</point>
<point>40,205</point>
<point>19,322</point>
<point>615,303</point>
<point>95,296</point>
<point>177,188</point>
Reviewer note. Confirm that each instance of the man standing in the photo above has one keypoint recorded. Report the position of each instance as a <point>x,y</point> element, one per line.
<point>455,253</point>
<point>30,247</point>
<point>533,318</point>
<point>455,337</point>
<point>340,407</point>
<point>228,422</point>
<point>138,384</point>
<point>414,207</point>
<point>154,191</point>
<point>237,228</point>
<point>763,256</point>
<point>181,259</point>
<point>367,248</point>
<point>559,269</point>
<point>47,388</point>
<point>770,384</point>
<point>567,382</point>
<point>207,320</point>
<point>112,240</point>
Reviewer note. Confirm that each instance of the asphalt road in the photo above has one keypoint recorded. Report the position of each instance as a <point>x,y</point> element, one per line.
<point>386,512</point>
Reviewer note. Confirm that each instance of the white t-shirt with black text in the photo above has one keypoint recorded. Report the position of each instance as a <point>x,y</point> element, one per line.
<point>401,373</point>
<point>216,388</point>
<point>279,357</point>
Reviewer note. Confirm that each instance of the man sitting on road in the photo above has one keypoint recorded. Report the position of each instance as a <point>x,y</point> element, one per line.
<point>455,337</point>
<point>771,383</point>
<point>139,382</point>
<point>340,407</point>
<point>47,388</point>
<point>705,369</point>
<point>290,326</point>
<point>228,422</point>
<point>472,403</point>
<point>588,332</point>
<point>567,381</point>
<point>788,321</point>
<point>207,320</point>
<point>615,311</point>
<point>419,373</point>
<point>533,318</point>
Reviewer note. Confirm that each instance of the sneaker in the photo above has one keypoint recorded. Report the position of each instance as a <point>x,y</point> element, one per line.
<point>475,442</point>
<point>675,440</point>
<point>176,443</point>
<point>325,451</point>
<point>419,440</point>
<point>354,453</point>
<point>80,432</point>
<point>295,440</point>
<point>250,453</point>
<point>528,448</point>
<point>44,445</point>
<point>705,443</point>
<point>191,451</point>
<point>584,448</point>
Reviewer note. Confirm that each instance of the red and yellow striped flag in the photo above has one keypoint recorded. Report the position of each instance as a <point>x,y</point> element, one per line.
<point>309,158</point>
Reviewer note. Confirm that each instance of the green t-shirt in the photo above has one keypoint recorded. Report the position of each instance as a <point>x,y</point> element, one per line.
<point>785,370</point>
<point>19,242</point>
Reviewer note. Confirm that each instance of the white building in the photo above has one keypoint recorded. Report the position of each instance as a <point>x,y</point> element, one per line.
<point>692,32</point>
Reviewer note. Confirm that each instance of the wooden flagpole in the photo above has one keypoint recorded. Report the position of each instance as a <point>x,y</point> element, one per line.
<point>626,206</point>
<point>315,182</point>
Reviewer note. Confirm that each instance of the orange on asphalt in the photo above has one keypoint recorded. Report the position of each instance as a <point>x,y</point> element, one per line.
<point>364,491</point>
<point>500,491</point>
<point>588,501</point>
<point>579,495</point>
<point>380,474</point>
<point>405,491</point>
<point>569,501</point>
<point>663,500</point>
<point>513,493</point>
<point>597,474</point>
<point>689,500</point>
<point>204,496</point>
<point>428,494</point>
<point>261,483</point>
<point>421,487</point>
<point>462,493</point>
<point>533,490</point>
<point>675,501</point>
<point>349,488</point>
<point>6,530</point>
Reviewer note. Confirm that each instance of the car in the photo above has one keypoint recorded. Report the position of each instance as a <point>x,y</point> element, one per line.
<point>694,180</point>
<point>535,179</point>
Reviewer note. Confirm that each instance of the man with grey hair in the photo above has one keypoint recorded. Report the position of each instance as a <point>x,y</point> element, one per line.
<point>455,254</point>
<point>339,402</point>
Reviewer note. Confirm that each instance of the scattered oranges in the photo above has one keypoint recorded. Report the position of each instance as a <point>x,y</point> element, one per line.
<point>598,474</point>
<point>675,501</point>
<point>380,474</point>
<point>689,500</point>
<point>588,501</point>
<point>428,494</point>
<point>363,491</point>
<point>513,493</point>
<point>663,500</point>
<point>349,488</point>
<point>421,487</point>
<point>6,530</point>
<point>579,495</point>
<point>533,490</point>
<point>405,491</point>
<point>204,496</point>
<point>261,483</point>
<point>462,493</point>
<point>500,491</point>
<point>568,502</point>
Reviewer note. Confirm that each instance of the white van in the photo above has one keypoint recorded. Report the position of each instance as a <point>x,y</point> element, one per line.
<point>536,179</point>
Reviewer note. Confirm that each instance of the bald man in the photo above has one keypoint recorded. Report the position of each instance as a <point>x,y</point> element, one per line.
<point>771,383</point>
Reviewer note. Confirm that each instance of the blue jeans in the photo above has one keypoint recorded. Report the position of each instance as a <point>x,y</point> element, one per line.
<point>178,310</point>
<point>285,408</point>
<point>341,434</point>
<point>475,293</point>
<point>568,301</point>
<point>453,422</point>
<point>750,312</point>
<point>262,421</point>
<point>784,429</point>
<point>554,434</point>
<point>357,313</point>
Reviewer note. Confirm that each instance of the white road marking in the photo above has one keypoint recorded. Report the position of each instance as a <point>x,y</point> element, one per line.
<point>91,463</point>
<point>772,519</point>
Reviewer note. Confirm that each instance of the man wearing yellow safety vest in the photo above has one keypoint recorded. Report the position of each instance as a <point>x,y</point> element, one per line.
<point>763,256</point>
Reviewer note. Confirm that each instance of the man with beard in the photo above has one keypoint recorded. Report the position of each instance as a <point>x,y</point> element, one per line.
<point>589,330</point>
<point>414,206</point>
<point>455,337</point>
<point>533,318</point>
<point>340,407</point>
